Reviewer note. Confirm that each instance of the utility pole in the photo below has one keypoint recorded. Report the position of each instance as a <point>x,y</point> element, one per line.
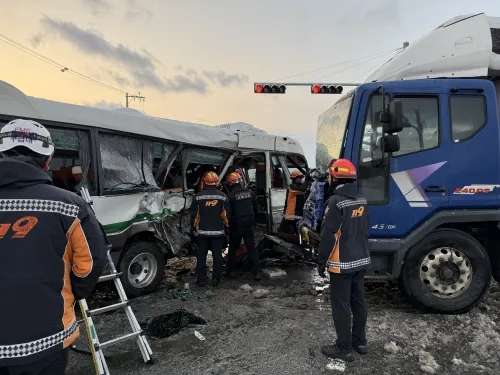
<point>133,97</point>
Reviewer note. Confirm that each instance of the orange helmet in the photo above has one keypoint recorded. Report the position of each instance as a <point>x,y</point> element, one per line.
<point>234,178</point>
<point>343,169</point>
<point>296,173</point>
<point>210,178</point>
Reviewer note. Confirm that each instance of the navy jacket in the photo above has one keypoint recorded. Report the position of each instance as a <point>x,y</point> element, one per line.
<point>52,252</point>
<point>210,213</point>
<point>343,246</point>
<point>243,207</point>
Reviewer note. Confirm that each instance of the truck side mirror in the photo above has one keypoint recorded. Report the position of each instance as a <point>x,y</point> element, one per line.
<point>391,143</point>
<point>395,120</point>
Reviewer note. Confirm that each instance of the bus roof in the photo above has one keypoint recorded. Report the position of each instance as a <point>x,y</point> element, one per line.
<point>14,102</point>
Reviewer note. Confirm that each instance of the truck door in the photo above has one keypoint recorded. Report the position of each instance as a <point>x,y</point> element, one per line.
<point>406,187</point>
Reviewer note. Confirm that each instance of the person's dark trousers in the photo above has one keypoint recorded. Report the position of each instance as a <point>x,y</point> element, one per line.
<point>54,364</point>
<point>204,244</point>
<point>288,227</point>
<point>347,296</point>
<point>247,234</point>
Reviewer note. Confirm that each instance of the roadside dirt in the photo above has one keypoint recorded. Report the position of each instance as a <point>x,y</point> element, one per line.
<point>282,327</point>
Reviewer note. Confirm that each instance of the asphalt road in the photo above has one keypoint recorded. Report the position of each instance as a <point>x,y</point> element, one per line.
<point>283,332</point>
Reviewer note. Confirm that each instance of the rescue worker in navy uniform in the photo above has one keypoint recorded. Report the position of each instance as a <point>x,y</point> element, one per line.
<point>210,218</point>
<point>343,251</point>
<point>52,252</point>
<point>243,213</point>
<point>294,203</point>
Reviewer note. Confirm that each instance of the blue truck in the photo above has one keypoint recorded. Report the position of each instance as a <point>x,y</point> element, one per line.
<point>424,134</point>
<point>429,166</point>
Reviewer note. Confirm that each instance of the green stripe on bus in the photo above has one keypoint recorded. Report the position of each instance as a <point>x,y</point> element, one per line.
<point>121,226</point>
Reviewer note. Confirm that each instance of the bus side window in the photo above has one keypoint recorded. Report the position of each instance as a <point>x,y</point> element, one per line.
<point>71,160</point>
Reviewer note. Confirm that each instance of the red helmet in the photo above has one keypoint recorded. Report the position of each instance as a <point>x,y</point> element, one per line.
<point>234,178</point>
<point>210,178</point>
<point>296,173</point>
<point>343,169</point>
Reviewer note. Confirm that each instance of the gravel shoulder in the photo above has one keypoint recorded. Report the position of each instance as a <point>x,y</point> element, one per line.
<point>283,329</point>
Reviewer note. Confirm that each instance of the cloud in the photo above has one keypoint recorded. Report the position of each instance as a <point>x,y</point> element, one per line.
<point>225,80</point>
<point>98,7</point>
<point>136,11</point>
<point>375,13</point>
<point>103,104</point>
<point>141,66</point>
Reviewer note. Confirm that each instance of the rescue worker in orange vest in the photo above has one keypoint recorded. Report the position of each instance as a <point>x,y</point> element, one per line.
<point>210,218</point>
<point>343,251</point>
<point>243,213</point>
<point>294,203</point>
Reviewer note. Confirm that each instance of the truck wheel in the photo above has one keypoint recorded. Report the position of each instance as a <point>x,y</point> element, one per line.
<point>447,272</point>
<point>142,268</point>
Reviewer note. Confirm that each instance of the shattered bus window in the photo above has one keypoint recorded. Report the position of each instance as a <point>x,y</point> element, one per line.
<point>127,162</point>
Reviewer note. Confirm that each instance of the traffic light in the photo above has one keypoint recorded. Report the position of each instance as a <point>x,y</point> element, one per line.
<point>261,88</point>
<point>322,89</point>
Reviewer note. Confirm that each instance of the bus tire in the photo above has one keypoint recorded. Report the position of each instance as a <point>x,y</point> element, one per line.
<point>447,272</point>
<point>142,266</point>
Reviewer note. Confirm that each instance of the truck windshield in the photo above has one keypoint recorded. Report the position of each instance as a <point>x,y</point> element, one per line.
<point>331,132</point>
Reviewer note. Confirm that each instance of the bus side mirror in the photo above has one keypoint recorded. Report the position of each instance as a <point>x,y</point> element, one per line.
<point>395,117</point>
<point>391,143</point>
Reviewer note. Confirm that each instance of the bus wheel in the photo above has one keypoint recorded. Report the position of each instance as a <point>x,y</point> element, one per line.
<point>142,268</point>
<point>447,272</point>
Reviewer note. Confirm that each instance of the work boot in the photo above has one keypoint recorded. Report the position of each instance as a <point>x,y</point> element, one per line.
<point>200,283</point>
<point>258,276</point>
<point>215,282</point>
<point>334,352</point>
<point>361,349</point>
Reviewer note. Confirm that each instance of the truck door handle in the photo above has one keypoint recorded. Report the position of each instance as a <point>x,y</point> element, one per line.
<point>435,189</point>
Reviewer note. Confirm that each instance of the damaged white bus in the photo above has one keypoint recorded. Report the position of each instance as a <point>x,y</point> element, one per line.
<point>142,173</point>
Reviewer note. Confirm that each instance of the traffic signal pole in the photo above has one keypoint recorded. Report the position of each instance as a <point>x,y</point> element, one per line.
<point>306,84</point>
<point>316,88</point>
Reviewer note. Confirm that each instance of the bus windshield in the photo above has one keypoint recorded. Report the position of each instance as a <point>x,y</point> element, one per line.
<point>331,131</point>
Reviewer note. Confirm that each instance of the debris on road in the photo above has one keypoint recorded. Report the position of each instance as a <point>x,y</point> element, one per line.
<point>246,288</point>
<point>209,294</point>
<point>336,365</point>
<point>274,273</point>
<point>199,335</point>
<point>260,293</point>
<point>391,347</point>
<point>427,362</point>
<point>167,325</point>
<point>182,294</point>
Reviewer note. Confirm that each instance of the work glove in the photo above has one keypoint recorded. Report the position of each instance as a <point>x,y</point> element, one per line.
<point>192,234</point>
<point>321,271</point>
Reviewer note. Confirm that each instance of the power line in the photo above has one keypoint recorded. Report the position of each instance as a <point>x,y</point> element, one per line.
<point>336,64</point>
<point>47,60</point>
<point>358,64</point>
<point>375,67</point>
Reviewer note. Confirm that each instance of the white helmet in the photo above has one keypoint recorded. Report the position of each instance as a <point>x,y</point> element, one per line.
<point>26,133</point>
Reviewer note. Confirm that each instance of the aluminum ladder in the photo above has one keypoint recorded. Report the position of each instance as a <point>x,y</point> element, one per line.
<point>96,347</point>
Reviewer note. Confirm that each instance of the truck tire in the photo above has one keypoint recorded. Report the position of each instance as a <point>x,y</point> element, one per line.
<point>447,272</point>
<point>142,266</point>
